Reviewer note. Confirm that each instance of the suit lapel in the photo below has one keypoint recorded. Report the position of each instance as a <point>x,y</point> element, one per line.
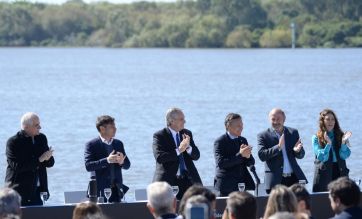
<point>170,138</point>
<point>273,136</point>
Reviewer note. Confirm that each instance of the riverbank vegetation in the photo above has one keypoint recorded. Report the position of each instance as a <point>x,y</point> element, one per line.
<point>183,24</point>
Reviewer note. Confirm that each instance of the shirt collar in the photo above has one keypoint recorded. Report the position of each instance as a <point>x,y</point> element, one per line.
<point>231,135</point>
<point>173,132</point>
<point>105,141</point>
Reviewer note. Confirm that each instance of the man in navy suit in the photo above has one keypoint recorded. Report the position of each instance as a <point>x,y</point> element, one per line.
<point>279,146</point>
<point>174,151</point>
<point>105,156</point>
<point>344,195</point>
<point>232,156</point>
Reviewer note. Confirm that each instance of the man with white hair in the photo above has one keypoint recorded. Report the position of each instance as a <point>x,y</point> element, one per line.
<point>28,155</point>
<point>161,201</point>
<point>174,151</point>
<point>9,204</point>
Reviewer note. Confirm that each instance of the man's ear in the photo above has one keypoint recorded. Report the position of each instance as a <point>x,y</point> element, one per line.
<point>150,208</point>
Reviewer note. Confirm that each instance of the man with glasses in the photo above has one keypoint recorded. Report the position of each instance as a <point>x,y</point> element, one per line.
<point>105,157</point>
<point>174,151</point>
<point>28,155</point>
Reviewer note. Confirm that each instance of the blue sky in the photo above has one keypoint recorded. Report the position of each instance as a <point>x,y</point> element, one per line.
<point>91,1</point>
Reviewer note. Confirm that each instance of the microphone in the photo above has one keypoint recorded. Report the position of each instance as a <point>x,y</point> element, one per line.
<point>253,171</point>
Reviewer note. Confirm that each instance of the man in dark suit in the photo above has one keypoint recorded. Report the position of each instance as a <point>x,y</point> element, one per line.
<point>28,155</point>
<point>105,156</point>
<point>279,146</point>
<point>232,156</point>
<point>174,151</point>
<point>344,195</point>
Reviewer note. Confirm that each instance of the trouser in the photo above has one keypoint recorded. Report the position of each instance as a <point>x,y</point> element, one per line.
<point>34,200</point>
<point>183,182</point>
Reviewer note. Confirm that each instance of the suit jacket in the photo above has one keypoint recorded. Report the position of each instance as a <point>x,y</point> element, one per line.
<point>231,167</point>
<point>273,158</point>
<point>95,156</point>
<point>167,161</point>
<point>24,169</point>
<point>350,213</point>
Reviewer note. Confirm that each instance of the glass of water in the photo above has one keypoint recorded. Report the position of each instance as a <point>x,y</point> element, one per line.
<point>44,197</point>
<point>107,193</point>
<point>302,182</point>
<point>175,190</point>
<point>241,187</point>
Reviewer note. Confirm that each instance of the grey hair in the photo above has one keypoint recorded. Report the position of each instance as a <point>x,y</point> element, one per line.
<point>27,119</point>
<point>10,202</point>
<point>160,197</point>
<point>171,115</point>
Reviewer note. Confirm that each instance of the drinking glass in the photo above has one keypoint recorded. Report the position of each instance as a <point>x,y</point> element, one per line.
<point>107,193</point>
<point>175,190</point>
<point>44,196</point>
<point>302,182</point>
<point>241,187</point>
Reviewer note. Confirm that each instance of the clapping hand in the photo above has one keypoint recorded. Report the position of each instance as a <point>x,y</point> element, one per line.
<point>116,157</point>
<point>281,142</point>
<point>326,137</point>
<point>46,155</point>
<point>298,146</point>
<point>346,136</point>
<point>184,143</point>
<point>245,150</point>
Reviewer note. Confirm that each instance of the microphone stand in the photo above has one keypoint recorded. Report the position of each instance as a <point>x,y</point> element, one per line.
<point>252,170</point>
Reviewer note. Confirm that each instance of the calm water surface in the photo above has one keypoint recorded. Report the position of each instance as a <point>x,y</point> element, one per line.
<point>69,88</point>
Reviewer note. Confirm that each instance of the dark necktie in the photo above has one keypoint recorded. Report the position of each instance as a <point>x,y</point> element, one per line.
<point>180,156</point>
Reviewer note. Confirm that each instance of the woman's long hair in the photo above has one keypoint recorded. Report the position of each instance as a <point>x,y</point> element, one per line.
<point>338,133</point>
<point>280,199</point>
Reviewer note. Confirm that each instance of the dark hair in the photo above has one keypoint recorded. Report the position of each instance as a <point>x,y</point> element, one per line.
<point>301,193</point>
<point>338,133</point>
<point>87,210</point>
<point>229,118</point>
<point>346,190</point>
<point>241,205</point>
<point>196,189</point>
<point>104,120</point>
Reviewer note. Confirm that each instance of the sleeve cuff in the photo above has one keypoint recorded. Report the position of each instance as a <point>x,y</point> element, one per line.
<point>189,150</point>
<point>177,151</point>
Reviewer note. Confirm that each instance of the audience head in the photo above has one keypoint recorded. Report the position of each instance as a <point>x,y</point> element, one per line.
<point>175,119</point>
<point>234,124</point>
<point>198,199</point>
<point>106,126</point>
<point>160,199</point>
<point>277,118</point>
<point>303,197</point>
<point>241,205</point>
<point>87,210</point>
<point>343,193</point>
<point>10,202</point>
<point>30,123</point>
<point>197,190</point>
<point>280,199</point>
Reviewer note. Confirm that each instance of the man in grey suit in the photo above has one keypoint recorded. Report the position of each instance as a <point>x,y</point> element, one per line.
<point>278,147</point>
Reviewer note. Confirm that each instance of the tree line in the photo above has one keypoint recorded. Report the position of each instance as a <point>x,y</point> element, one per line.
<point>183,24</point>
